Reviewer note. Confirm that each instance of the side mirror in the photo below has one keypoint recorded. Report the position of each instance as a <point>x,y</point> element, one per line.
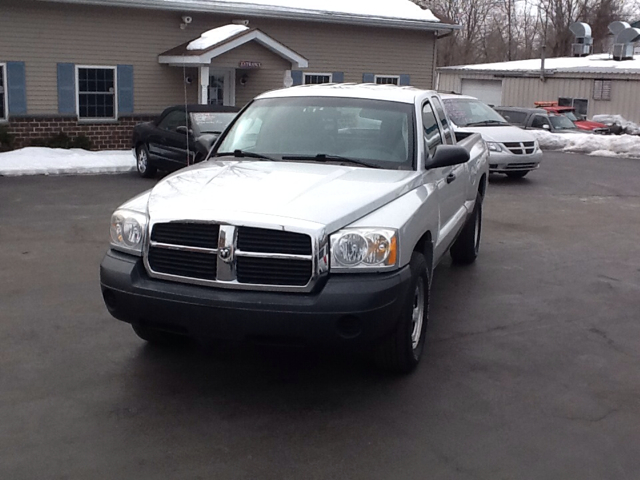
<point>184,130</point>
<point>448,155</point>
<point>546,126</point>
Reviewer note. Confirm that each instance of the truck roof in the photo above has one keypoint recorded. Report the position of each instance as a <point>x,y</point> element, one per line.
<point>392,93</point>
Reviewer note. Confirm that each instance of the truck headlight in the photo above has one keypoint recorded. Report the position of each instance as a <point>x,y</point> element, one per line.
<point>494,147</point>
<point>362,248</point>
<point>127,231</point>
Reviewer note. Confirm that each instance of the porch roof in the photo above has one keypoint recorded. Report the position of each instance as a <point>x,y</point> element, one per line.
<point>213,43</point>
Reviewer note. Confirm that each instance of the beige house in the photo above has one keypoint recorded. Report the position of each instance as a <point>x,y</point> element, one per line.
<point>97,67</point>
<point>595,84</point>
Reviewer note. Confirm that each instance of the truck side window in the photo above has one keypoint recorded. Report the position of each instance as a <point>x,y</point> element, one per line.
<point>432,137</point>
<point>539,121</point>
<point>444,121</point>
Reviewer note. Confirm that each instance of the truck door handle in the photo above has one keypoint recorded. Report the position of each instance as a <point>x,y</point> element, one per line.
<point>451,177</point>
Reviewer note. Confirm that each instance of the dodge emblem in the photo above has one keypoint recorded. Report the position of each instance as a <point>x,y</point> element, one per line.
<point>225,254</point>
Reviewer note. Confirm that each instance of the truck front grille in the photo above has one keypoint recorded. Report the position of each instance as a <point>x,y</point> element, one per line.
<point>273,241</point>
<point>253,256</point>
<point>521,148</point>
<point>183,263</point>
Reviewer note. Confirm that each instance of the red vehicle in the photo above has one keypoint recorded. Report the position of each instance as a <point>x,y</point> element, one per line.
<point>570,113</point>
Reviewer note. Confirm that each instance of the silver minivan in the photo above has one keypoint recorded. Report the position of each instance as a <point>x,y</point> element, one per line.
<point>512,150</point>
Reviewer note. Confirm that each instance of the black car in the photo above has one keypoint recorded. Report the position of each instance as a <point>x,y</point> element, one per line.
<point>180,136</point>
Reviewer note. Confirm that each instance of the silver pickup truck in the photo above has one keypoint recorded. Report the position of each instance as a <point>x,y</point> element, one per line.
<point>318,218</point>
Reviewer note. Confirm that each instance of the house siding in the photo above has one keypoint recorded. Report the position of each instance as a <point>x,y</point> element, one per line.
<point>524,91</point>
<point>110,36</point>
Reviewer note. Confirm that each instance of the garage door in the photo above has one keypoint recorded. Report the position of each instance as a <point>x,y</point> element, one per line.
<point>489,91</point>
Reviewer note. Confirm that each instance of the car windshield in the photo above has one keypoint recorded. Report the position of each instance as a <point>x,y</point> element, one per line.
<point>327,129</point>
<point>560,122</point>
<point>212,122</point>
<point>468,112</point>
<point>570,115</point>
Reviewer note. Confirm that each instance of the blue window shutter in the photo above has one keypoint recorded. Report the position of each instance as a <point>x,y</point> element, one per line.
<point>368,78</point>
<point>125,89</point>
<point>405,80</point>
<point>337,77</point>
<point>66,88</point>
<point>16,88</point>
<point>296,75</point>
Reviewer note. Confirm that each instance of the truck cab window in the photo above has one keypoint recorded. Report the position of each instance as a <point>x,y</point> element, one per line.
<point>539,121</point>
<point>446,128</point>
<point>431,131</point>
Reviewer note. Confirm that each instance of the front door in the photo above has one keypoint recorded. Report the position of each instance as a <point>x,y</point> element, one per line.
<point>222,87</point>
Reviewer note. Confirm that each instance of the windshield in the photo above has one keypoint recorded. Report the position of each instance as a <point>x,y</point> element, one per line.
<point>467,111</point>
<point>560,122</point>
<point>570,116</point>
<point>378,133</point>
<point>212,122</point>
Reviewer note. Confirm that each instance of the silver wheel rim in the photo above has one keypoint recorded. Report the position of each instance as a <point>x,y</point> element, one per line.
<point>142,160</point>
<point>417,316</point>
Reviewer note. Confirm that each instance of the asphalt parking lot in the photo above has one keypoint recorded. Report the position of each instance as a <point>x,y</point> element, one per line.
<point>531,369</point>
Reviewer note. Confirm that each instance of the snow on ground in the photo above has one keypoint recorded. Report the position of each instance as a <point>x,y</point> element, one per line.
<point>597,145</point>
<point>58,161</point>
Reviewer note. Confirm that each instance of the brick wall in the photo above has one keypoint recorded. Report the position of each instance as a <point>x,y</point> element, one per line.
<point>103,136</point>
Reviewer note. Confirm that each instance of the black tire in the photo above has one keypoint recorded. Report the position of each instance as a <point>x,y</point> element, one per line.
<point>517,174</point>
<point>142,162</point>
<point>400,352</point>
<point>465,249</point>
<point>157,337</point>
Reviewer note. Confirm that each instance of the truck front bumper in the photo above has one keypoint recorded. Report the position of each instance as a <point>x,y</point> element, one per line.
<point>348,310</point>
<point>504,162</point>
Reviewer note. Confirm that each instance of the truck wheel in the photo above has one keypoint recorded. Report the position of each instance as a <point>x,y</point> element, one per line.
<point>516,174</point>
<point>157,337</point>
<point>400,352</point>
<point>142,162</point>
<point>465,249</point>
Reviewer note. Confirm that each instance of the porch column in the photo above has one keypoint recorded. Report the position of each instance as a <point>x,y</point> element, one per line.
<point>203,91</point>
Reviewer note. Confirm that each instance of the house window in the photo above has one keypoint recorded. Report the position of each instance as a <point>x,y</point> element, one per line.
<point>602,89</point>
<point>3,93</point>
<point>387,79</point>
<point>316,78</point>
<point>96,92</point>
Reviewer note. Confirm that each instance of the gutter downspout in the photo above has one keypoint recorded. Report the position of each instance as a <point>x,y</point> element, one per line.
<point>542,57</point>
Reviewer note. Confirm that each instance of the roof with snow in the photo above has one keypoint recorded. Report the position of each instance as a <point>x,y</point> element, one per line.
<point>602,63</point>
<point>390,13</point>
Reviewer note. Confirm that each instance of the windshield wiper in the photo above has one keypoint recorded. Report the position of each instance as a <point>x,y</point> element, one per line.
<point>486,122</point>
<point>244,153</point>
<point>323,157</point>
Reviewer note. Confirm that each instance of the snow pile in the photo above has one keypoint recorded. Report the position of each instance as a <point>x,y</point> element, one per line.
<point>597,145</point>
<point>404,9</point>
<point>212,37</point>
<point>619,124</point>
<point>58,161</point>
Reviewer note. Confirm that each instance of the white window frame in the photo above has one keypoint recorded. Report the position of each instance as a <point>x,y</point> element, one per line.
<point>310,74</point>
<point>395,77</point>
<point>115,94</point>
<point>5,93</point>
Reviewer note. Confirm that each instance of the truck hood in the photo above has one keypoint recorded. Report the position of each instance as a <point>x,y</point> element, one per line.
<point>589,125</point>
<point>264,192</point>
<point>500,134</point>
